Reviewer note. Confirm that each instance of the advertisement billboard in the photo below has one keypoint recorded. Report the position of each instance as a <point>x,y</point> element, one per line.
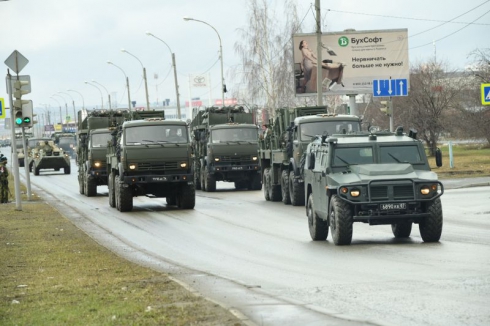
<point>351,60</point>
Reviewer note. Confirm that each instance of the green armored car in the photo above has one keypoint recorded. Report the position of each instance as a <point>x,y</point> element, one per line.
<point>376,178</point>
<point>49,156</point>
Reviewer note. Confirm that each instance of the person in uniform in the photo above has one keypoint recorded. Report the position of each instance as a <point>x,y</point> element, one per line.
<point>4,182</point>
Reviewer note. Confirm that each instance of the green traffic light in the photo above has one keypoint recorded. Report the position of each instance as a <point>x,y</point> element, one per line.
<point>18,121</point>
<point>27,120</point>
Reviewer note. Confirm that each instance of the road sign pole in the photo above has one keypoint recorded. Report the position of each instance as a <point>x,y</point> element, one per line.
<point>15,159</point>
<point>391,115</point>
<point>26,165</point>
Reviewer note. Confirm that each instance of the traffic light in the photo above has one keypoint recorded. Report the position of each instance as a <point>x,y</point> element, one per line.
<point>22,108</point>
<point>385,108</point>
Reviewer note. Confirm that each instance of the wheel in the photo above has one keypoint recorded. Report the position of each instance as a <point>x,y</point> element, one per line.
<point>210,181</point>
<point>274,190</point>
<point>431,227</point>
<point>285,187</point>
<point>197,181</point>
<point>30,167</point>
<point>266,183</point>
<point>340,221</point>
<point>318,227</point>
<point>91,187</point>
<point>171,200</point>
<point>187,197</point>
<point>203,179</point>
<point>401,229</point>
<point>67,170</point>
<point>81,188</point>
<point>110,184</point>
<point>117,200</point>
<point>254,182</point>
<point>125,195</point>
<point>36,169</point>
<point>296,191</point>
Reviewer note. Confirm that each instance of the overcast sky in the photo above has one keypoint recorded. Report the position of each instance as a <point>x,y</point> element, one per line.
<point>68,42</point>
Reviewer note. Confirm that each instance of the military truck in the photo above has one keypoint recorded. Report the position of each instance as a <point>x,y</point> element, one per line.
<point>94,134</point>
<point>225,142</point>
<point>150,157</point>
<point>285,141</point>
<point>378,178</point>
<point>49,156</point>
<point>66,141</point>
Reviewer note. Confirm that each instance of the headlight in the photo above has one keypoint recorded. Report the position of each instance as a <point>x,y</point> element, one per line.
<point>183,165</point>
<point>344,190</point>
<point>427,189</point>
<point>216,159</point>
<point>254,158</point>
<point>97,164</point>
<point>355,192</point>
<point>133,166</point>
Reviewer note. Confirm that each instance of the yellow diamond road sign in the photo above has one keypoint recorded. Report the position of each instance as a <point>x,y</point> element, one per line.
<point>485,94</point>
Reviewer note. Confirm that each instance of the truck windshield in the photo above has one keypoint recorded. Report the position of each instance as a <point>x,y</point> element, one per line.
<point>159,134</point>
<point>234,134</point>
<point>67,142</point>
<point>100,140</point>
<point>400,154</point>
<point>311,129</point>
<point>352,155</point>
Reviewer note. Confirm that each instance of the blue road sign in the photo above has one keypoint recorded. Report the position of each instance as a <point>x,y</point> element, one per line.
<point>390,87</point>
<point>2,108</point>
<point>485,94</point>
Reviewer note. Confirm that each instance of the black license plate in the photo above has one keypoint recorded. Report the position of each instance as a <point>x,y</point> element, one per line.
<point>395,206</point>
<point>237,167</point>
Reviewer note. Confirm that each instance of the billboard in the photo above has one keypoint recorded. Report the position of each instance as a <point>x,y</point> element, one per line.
<point>351,60</point>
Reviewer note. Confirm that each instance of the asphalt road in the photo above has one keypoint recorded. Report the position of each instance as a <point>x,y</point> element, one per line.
<point>257,257</point>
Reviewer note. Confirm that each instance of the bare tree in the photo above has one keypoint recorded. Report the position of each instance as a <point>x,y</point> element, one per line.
<point>265,47</point>
<point>435,94</point>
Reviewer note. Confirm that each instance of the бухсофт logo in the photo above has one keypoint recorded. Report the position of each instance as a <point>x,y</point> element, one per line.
<point>343,41</point>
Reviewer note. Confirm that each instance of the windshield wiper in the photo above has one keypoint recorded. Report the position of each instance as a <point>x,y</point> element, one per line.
<point>342,159</point>
<point>397,159</point>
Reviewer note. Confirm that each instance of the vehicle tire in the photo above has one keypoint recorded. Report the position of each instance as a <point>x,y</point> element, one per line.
<point>67,170</point>
<point>116,193</point>
<point>431,227</point>
<point>81,188</point>
<point>285,187</point>
<point>275,192</point>
<point>318,227</point>
<point>254,182</point>
<point>203,179</point>
<point>266,184</point>
<point>210,181</point>
<point>125,197</point>
<point>340,221</point>
<point>296,191</point>
<point>21,163</point>
<point>197,181</point>
<point>401,229</point>
<point>171,200</point>
<point>36,169</point>
<point>91,187</point>
<point>30,167</point>
<point>110,185</point>
<point>187,197</point>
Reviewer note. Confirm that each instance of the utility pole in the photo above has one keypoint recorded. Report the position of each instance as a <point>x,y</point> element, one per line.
<point>319,72</point>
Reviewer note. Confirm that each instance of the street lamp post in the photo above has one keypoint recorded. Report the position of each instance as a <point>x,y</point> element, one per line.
<point>220,55</point>
<point>127,83</point>
<point>83,100</point>
<point>108,95</point>
<point>144,77</point>
<point>61,116</point>
<point>66,108</point>
<point>73,102</point>
<point>101,95</point>
<point>175,73</point>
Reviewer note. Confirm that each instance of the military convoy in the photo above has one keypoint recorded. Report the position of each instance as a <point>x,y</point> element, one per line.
<point>284,142</point>
<point>67,141</point>
<point>225,142</point>
<point>46,155</point>
<point>371,177</point>
<point>152,157</point>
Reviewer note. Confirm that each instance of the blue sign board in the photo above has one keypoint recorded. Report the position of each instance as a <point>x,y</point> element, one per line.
<point>485,94</point>
<point>2,108</point>
<point>390,87</point>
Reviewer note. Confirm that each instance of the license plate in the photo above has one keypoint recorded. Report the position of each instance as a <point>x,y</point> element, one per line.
<point>393,206</point>
<point>157,179</point>
<point>237,167</point>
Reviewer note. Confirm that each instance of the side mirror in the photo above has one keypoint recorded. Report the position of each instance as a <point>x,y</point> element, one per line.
<point>311,161</point>
<point>438,158</point>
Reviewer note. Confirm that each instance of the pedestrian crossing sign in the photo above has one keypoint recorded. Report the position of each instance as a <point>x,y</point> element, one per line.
<point>2,108</point>
<point>485,94</point>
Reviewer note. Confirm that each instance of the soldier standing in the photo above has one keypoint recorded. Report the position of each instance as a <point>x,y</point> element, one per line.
<point>4,182</point>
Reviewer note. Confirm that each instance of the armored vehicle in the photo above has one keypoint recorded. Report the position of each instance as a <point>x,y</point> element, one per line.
<point>32,143</point>
<point>376,178</point>
<point>67,141</point>
<point>225,142</point>
<point>285,141</point>
<point>19,144</point>
<point>94,134</point>
<point>150,157</point>
<point>49,156</point>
